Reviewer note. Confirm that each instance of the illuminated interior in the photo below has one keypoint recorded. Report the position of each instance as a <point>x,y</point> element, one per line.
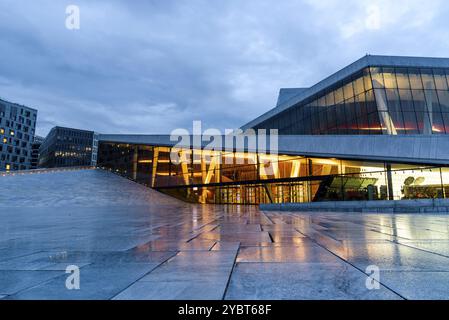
<point>250,178</point>
<point>376,100</point>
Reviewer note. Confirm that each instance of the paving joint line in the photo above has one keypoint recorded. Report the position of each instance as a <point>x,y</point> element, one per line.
<point>357,268</point>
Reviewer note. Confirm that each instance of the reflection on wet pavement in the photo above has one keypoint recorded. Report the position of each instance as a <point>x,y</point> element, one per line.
<point>131,242</point>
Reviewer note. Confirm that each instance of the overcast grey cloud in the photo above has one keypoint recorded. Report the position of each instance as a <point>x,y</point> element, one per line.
<point>152,66</point>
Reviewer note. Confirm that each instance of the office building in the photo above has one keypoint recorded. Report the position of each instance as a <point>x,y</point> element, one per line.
<point>68,147</point>
<point>17,129</point>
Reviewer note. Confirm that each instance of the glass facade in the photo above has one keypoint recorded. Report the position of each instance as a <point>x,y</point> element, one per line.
<point>250,178</point>
<point>376,100</point>
<point>67,147</point>
<point>17,129</point>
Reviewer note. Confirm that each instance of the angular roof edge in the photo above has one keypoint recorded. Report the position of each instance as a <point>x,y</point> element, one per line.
<point>419,149</point>
<point>18,105</point>
<point>366,61</point>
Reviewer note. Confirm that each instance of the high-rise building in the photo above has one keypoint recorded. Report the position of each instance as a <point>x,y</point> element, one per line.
<point>17,129</point>
<point>68,147</point>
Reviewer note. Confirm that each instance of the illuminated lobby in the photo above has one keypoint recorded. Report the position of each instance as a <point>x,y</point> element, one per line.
<point>375,130</point>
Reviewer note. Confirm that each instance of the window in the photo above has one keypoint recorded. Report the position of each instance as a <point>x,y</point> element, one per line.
<point>402,78</point>
<point>378,79</point>
<point>348,91</point>
<point>358,86</point>
<point>406,100</point>
<point>415,80</point>
<point>427,79</point>
<point>440,80</point>
<point>389,78</point>
<point>443,97</point>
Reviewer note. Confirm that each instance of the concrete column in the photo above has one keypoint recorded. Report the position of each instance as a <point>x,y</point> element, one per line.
<point>154,168</point>
<point>390,183</point>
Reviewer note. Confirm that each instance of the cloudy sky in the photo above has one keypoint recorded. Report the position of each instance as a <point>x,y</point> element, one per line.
<point>153,66</point>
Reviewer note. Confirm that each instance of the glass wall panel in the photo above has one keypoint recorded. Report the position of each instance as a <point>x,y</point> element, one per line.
<point>351,116</point>
<point>348,91</point>
<point>377,77</point>
<point>367,79</point>
<point>427,79</point>
<point>414,182</point>
<point>403,101</point>
<point>359,86</point>
<point>440,79</point>
<point>419,101</point>
<point>373,114</point>
<point>339,98</point>
<point>361,114</point>
<point>406,100</point>
<point>443,98</point>
<point>437,123</point>
<point>445,180</point>
<point>394,108</point>
<point>410,122</point>
<point>402,78</point>
<point>341,118</point>
<point>371,105</point>
<point>389,78</point>
<point>415,79</point>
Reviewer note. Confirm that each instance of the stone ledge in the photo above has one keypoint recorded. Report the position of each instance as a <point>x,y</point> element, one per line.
<point>397,206</point>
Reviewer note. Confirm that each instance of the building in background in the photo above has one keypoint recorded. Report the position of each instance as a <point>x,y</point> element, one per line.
<point>35,151</point>
<point>17,129</point>
<point>68,147</point>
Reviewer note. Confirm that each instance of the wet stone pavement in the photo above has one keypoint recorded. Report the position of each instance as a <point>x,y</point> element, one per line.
<point>131,242</point>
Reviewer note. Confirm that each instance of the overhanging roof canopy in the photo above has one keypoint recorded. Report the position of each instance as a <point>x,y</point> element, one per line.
<point>422,149</point>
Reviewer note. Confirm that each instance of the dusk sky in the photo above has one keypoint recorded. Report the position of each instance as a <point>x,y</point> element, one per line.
<point>153,66</point>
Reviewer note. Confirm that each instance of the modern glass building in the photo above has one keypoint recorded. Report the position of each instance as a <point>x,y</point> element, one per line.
<point>375,130</point>
<point>67,147</point>
<point>391,95</point>
<point>250,178</point>
<point>17,129</point>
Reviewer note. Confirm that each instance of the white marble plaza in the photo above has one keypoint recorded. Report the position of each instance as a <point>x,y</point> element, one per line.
<point>131,242</point>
